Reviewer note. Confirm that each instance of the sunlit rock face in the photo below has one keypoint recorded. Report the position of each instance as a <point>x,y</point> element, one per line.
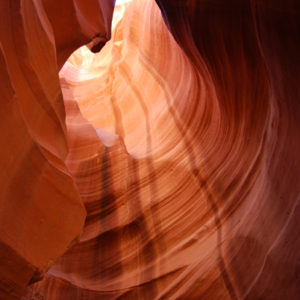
<point>179,142</point>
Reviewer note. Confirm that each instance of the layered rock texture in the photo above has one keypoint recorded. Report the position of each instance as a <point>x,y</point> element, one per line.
<point>165,166</point>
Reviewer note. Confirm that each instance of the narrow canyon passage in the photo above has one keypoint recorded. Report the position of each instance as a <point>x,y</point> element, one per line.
<point>163,166</point>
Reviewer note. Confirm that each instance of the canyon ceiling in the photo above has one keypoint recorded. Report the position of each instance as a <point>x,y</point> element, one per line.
<point>159,161</point>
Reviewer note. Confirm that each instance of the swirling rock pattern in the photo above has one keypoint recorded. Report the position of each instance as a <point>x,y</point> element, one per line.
<point>180,138</point>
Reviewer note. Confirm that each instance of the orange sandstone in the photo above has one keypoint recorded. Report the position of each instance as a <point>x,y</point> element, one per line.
<point>171,156</point>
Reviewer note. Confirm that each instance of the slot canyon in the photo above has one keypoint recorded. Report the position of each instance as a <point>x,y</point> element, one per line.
<point>150,149</point>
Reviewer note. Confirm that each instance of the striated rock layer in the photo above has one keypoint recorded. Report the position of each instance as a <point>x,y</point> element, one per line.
<point>41,212</point>
<point>177,147</point>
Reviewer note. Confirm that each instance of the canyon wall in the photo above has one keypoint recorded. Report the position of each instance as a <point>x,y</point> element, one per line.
<point>41,213</point>
<point>165,166</point>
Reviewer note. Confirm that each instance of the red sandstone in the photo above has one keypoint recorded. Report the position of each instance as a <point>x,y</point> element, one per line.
<point>165,166</point>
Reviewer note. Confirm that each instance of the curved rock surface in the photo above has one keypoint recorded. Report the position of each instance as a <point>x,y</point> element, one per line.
<point>41,212</point>
<point>177,146</point>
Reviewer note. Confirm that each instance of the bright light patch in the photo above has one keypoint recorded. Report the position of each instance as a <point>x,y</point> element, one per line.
<point>118,2</point>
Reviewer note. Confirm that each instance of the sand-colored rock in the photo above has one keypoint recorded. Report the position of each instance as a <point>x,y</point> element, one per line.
<point>41,212</point>
<point>180,138</point>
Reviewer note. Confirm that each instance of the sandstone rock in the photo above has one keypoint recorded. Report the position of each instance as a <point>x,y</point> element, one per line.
<point>179,140</point>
